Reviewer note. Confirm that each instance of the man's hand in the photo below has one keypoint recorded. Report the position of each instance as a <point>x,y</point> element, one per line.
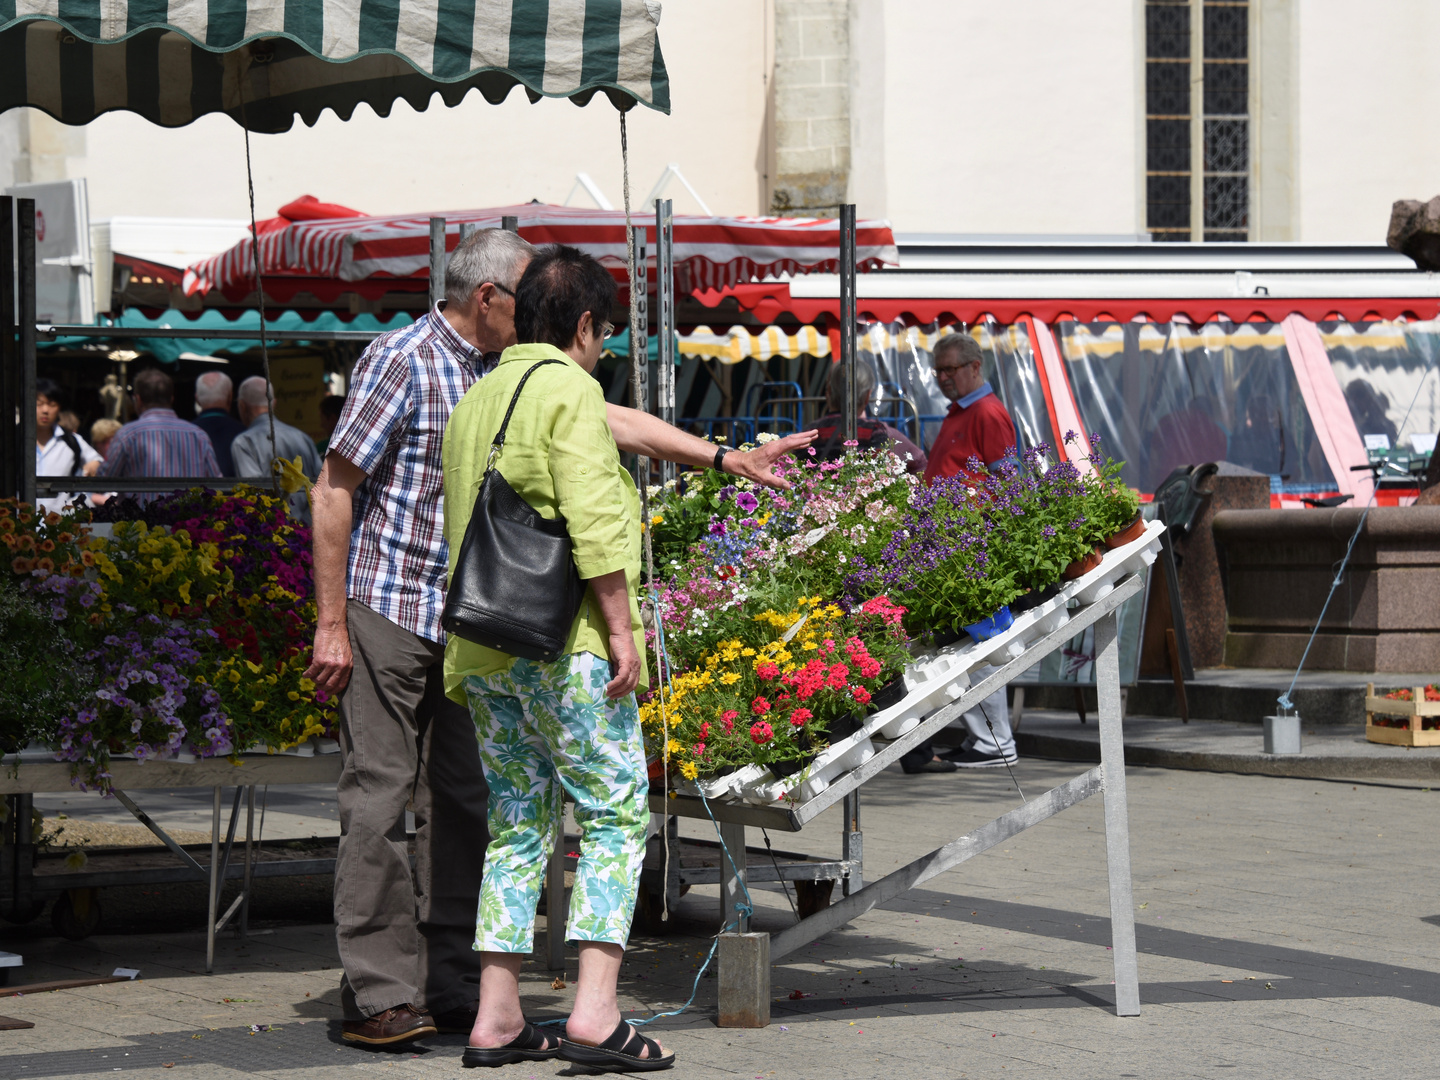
<point>330,666</point>
<point>758,464</point>
<point>624,666</point>
<point>91,467</point>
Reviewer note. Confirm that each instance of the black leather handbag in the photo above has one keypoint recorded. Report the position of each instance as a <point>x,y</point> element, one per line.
<point>515,587</point>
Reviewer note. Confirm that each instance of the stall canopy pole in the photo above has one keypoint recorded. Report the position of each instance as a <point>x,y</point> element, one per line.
<point>437,261</point>
<point>665,321</point>
<point>9,356</point>
<point>640,311</point>
<point>27,348</point>
<point>508,222</point>
<point>847,316</point>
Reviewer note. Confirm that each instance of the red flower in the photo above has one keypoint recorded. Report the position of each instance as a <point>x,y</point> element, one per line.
<point>839,673</point>
<point>728,719</point>
<point>761,733</point>
<point>759,706</point>
<point>799,716</point>
<point>704,730</point>
<point>861,695</point>
<point>767,671</point>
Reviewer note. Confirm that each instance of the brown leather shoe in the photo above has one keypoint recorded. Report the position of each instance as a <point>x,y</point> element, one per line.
<point>457,1021</point>
<point>395,1025</point>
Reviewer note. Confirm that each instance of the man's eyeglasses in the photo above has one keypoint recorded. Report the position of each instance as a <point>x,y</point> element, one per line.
<point>951,369</point>
<point>606,329</point>
<point>505,289</point>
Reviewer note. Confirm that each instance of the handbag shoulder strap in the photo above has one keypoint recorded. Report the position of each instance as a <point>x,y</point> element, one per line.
<point>499,439</point>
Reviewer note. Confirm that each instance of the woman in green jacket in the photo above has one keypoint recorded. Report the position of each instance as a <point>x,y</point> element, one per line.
<point>569,726</point>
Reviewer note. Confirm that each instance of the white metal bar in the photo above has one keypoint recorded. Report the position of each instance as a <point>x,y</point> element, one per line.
<point>165,839</point>
<point>1117,826</point>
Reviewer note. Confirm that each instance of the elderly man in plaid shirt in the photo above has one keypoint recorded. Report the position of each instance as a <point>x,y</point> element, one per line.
<point>380,568</point>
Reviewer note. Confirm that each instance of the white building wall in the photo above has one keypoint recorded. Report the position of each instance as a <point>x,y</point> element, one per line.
<point>1016,117</point>
<point>475,155</point>
<point>1369,120</point>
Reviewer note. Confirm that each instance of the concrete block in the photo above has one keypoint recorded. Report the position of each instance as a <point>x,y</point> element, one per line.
<point>1282,734</point>
<point>744,980</point>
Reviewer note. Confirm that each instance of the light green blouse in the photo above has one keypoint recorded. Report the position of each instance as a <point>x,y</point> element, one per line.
<point>560,457</point>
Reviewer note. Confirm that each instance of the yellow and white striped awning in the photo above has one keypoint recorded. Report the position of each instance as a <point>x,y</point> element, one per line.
<point>738,344</point>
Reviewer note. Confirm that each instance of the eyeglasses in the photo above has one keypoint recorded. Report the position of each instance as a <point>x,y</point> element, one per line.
<point>606,330</point>
<point>951,369</point>
<point>505,289</point>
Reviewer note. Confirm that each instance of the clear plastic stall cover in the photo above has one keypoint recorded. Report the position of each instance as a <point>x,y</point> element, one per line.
<point>907,394</point>
<point>1162,395</point>
<point>1388,373</point>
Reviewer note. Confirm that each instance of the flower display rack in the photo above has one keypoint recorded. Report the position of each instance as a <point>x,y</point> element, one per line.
<point>745,957</point>
<point>1416,711</point>
<point>23,892</point>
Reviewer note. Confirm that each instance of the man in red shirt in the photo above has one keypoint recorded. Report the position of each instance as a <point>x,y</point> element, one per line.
<point>979,426</point>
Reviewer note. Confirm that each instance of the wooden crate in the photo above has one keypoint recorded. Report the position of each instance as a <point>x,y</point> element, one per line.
<point>1413,710</point>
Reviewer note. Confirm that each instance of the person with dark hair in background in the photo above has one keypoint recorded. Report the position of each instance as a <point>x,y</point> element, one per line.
<point>213,393</point>
<point>869,434</point>
<point>330,409</point>
<point>58,451</point>
<point>568,726</point>
<point>157,442</point>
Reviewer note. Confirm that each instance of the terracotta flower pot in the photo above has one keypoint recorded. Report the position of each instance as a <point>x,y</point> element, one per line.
<point>1127,535</point>
<point>1083,565</point>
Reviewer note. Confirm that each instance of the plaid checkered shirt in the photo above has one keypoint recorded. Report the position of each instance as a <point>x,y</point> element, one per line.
<point>402,392</point>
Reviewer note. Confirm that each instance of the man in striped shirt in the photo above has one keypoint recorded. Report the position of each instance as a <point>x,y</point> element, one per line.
<point>159,443</point>
<point>380,578</point>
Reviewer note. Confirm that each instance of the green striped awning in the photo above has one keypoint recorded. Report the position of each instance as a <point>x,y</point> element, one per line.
<point>265,62</point>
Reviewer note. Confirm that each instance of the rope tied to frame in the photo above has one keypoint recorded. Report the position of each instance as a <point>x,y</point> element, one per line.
<point>260,298</point>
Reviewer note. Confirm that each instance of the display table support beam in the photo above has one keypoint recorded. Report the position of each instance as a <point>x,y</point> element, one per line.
<point>743,998</point>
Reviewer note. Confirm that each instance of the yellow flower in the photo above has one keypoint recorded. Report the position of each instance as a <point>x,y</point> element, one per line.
<point>658,519</point>
<point>673,747</point>
<point>689,771</point>
<point>730,678</point>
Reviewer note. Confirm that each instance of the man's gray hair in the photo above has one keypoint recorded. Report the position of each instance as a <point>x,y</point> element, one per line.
<point>864,386</point>
<point>496,255</point>
<point>213,390</point>
<point>256,393</point>
<point>964,347</point>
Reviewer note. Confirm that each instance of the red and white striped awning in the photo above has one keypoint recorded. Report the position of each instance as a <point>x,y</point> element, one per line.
<point>710,252</point>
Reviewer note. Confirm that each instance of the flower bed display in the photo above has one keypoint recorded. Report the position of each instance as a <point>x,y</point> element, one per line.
<point>183,634</point>
<point>797,626</point>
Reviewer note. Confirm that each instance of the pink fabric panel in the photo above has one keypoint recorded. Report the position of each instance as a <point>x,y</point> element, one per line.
<point>1066,414</point>
<point>1325,401</point>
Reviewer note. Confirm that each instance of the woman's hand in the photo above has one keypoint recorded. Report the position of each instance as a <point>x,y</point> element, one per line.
<point>612,593</point>
<point>624,666</point>
<point>758,464</point>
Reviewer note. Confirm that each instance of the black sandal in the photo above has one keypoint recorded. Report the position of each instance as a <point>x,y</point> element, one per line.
<point>612,1055</point>
<point>529,1045</point>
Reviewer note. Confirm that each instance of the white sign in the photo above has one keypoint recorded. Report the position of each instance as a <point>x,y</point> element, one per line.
<point>1423,444</point>
<point>1377,442</point>
<point>64,292</point>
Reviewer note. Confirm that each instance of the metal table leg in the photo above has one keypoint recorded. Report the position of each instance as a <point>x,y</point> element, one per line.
<point>249,860</point>
<point>732,876</point>
<point>1117,827</point>
<point>555,904</point>
<point>852,844</point>
<point>214,876</point>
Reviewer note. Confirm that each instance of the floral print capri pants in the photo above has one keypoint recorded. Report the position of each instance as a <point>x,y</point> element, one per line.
<point>547,730</point>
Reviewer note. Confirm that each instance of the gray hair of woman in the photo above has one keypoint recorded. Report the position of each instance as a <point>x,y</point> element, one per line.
<point>864,386</point>
<point>494,255</point>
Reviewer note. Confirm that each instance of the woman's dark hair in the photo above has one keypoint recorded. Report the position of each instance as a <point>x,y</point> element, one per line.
<point>558,287</point>
<point>49,388</point>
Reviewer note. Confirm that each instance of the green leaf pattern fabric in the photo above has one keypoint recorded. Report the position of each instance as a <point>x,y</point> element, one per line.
<point>546,730</point>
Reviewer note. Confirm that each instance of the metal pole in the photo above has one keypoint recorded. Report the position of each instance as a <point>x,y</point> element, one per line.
<point>214,884</point>
<point>852,844</point>
<point>437,261</point>
<point>9,356</point>
<point>1117,825</point>
<point>27,349</point>
<point>847,316</point>
<point>640,350</point>
<point>665,319</point>
<point>249,859</point>
<point>510,223</point>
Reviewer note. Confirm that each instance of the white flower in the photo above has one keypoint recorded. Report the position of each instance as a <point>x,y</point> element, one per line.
<point>766,436</point>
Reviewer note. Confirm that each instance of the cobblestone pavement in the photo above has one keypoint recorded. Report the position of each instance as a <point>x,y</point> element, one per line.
<point>1287,927</point>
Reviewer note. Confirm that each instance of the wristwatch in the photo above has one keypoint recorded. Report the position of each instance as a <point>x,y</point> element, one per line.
<point>720,456</point>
